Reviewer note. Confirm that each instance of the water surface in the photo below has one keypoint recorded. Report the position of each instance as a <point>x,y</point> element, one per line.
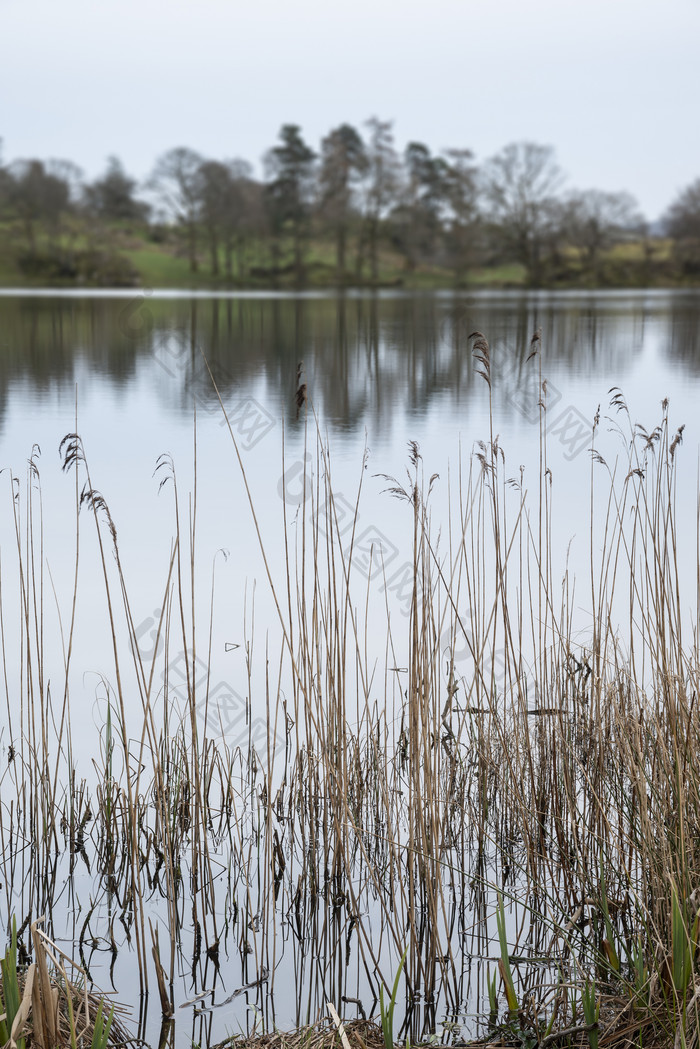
<point>140,376</point>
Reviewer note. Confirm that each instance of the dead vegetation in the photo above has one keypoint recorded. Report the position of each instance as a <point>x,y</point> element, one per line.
<point>46,1008</point>
<point>504,809</point>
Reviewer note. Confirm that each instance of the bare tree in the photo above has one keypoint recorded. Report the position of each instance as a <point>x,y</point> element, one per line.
<point>343,162</point>
<point>521,184</point>
<point>214,192</point>
<point>682,223</point>
<point>175,178</point>
<point>5,183</point>
<point>683,216</point>
<point>594,221</point>
<point>231,210</point>
<point>245,215</point>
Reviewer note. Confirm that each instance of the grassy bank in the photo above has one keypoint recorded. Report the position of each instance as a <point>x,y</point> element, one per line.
<point>130,255</point>
<point>516,838</point>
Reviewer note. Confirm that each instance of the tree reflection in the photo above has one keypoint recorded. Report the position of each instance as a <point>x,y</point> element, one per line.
<point>365,356</point>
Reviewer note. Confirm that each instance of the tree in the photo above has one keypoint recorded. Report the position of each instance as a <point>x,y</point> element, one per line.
<point>417,219</point>
<point>380,187</point>
<point>463,220</point>
<point>175,178</point>
<point>682,223</point>
<point>245,214</point>
<point>521,184</point>
<point>231,209</point>
<point>595,220</point>
<point>290,170</point>
<point>5,182</point>
<point>214,192</point>
<point>343,162</point>
<point>682,219</point>
<point>38,198</point>
<point>112,196</point>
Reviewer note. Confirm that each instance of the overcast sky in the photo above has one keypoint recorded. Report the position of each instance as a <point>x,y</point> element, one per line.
<point>613,85</point>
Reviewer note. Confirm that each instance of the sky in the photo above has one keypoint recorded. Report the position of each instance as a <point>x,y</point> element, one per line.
<point>612,85</point>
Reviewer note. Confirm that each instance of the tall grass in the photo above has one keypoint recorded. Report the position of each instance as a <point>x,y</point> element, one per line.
<point>540,808</point>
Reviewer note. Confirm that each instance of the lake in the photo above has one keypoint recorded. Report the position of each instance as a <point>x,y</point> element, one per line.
<point>196,396</point>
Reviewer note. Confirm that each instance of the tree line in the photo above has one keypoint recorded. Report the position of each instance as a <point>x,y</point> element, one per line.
<point>356,191</point>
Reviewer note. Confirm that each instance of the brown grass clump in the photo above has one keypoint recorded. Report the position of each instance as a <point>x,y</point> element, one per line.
<point>359,1034</point>
<point>44,1008</point>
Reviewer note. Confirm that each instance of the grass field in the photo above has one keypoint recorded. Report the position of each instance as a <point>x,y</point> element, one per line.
<point>125,255</point>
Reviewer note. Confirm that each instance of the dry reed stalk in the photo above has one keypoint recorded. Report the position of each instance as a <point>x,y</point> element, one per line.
<point>390,821</point>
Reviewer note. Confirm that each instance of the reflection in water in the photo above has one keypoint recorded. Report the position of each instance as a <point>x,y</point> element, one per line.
<point>683,336</point>
<point>362,354</point>
<point>366,359</point>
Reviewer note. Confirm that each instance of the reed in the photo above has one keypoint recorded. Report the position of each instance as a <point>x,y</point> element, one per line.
<point>540,809</point>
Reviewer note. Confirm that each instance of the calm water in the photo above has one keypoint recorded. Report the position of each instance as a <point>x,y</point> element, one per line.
<point>130,374</point>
